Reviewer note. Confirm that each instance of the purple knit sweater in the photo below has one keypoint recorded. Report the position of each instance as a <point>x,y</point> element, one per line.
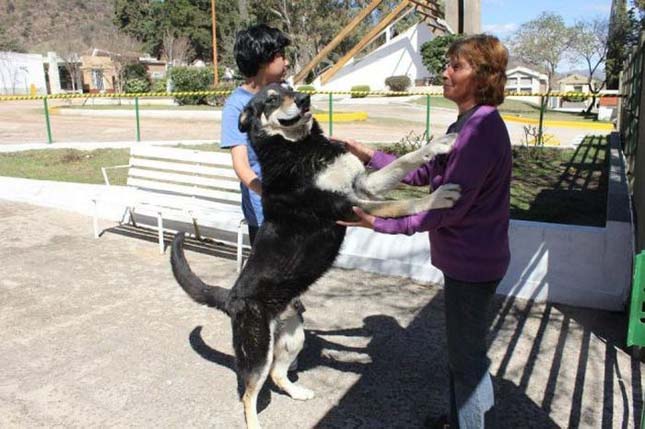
<point>469,242</point>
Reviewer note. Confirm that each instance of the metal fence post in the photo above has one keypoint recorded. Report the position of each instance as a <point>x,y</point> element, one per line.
<point>331,114</point>
<point>136,108</point>
<point>49,128</point>
<point>427,117</point>
<point>540,140</point>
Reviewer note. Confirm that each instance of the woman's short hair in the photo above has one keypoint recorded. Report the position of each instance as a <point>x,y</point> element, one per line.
<point>258,45</point>
<point>489,58</point>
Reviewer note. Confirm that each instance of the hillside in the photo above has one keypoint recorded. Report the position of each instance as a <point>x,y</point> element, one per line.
<point>37,26</point>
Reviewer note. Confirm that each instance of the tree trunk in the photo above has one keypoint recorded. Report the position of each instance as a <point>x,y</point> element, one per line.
<point>243,8</point>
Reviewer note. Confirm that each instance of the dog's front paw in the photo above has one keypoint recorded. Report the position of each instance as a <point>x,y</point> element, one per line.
<point>441,145</point>
<point>445,196</point>
<point>300,393</point>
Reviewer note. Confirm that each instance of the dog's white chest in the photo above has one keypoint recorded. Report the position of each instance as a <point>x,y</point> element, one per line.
<point>339,176</point>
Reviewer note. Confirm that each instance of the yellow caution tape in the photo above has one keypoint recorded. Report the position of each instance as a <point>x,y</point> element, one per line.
<point>227,92</point>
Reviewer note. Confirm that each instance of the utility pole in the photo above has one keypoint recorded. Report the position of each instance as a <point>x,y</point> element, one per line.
<point>215,74</point>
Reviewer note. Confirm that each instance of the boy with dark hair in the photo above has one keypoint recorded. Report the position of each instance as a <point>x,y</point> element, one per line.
<point>260,56</point>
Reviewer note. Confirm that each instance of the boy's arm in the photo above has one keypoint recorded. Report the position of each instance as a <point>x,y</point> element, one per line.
<point>243,169</point>
<point>235,140</point>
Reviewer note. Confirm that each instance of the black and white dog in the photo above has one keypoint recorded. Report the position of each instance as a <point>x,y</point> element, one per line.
<point>308,183</point>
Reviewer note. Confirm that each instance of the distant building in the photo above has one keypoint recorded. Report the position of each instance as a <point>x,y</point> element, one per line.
<point>155,68</point>
<point>22,74</point>
<point>98,71</point>
<point>526,81</point>
<point>575,83</point>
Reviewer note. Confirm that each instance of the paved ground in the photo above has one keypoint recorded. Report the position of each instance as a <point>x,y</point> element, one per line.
<point>390,120</point>
<point>96,333</point>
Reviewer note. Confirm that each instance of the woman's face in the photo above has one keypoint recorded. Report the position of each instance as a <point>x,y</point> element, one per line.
<point>459,83</point>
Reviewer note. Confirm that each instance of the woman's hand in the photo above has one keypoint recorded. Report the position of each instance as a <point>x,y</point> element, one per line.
<point>357,149</point>
<point>365,220</point>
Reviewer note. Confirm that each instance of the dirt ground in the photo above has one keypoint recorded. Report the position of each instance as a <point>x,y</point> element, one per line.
<point>96,333</point>
<point>388,121</point>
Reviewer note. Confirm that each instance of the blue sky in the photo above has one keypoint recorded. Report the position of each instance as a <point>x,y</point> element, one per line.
<point>502,17</point>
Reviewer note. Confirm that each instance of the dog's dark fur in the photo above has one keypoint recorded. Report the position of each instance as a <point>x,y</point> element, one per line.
<point>308,183</point>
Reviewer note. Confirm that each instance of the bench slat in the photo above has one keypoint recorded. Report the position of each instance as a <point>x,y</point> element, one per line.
<point>186,168</point>
<point>188,155</point>
<point>186,190</point>
<point>185,179</point>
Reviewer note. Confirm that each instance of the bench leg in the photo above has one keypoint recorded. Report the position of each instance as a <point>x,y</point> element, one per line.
<point>198,236</point>
<point>131,215</point>
<point>240,242</point>
<point>160,229</point>
<point>95,222</point>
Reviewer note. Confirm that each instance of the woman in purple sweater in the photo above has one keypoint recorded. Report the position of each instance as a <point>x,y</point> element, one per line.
<point>469,242</point>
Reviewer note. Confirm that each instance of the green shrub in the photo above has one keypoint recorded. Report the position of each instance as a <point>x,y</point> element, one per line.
<point>574,98</point>
<point>137,85</point>
<point>191,79</point>
<point>407,144</point>
<point>135,71</point>
<point>308,88</point>
<point>398,83</point>
<point>159,85</point>
<point>363,88</point>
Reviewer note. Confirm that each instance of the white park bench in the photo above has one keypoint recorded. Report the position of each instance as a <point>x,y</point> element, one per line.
<point>183,189</point>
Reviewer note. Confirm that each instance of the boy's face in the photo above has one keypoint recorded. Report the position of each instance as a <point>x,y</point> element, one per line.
<point>275,70</point>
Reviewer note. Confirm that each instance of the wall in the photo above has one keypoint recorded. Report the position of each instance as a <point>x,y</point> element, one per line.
<point>18,72</point>
<point>400,56</point>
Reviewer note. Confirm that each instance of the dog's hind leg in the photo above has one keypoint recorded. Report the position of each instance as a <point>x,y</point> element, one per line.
<point>388,177</point>
<point>253,342</point>
<point>253,382</point>
<point>289,340</point>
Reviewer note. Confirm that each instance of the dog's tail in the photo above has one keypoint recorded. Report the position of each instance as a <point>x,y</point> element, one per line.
<point>212,296</point>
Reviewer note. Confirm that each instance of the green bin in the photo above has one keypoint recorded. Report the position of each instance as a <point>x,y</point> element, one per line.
<point>636,330</point>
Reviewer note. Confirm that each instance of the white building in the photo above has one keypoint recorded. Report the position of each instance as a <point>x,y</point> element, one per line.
<point>576,83</point>
<point>399,56</point>
<point>525,80</point>
<point>22,74</point>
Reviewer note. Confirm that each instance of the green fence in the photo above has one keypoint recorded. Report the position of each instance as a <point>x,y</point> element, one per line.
<point>539,124</point>
<point>632,132</point>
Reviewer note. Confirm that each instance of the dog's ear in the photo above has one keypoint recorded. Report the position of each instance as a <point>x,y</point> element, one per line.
<point>246,117</point>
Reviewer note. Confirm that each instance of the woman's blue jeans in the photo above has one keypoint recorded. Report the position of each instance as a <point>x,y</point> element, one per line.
<point>467,307</point>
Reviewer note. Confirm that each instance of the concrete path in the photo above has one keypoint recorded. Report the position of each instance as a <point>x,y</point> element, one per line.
<point>96,333</point>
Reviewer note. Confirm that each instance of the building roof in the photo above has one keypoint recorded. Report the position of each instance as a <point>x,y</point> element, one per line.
<point>574,78</point>
<point>526,71</point>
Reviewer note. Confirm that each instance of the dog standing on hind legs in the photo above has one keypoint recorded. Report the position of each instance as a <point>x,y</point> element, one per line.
<point>309,183</point>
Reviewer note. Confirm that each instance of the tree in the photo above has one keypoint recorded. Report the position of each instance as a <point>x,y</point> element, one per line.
<point>589,42</point>
<point>176,50</point>
<point>624,33</point>
<point>542,42</point>
<point>149,21</point>
<point>433,53</point>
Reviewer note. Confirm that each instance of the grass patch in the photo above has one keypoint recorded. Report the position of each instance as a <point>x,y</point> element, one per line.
<point>65,165</point>
<point>520,109</point>
<point>549,185</point>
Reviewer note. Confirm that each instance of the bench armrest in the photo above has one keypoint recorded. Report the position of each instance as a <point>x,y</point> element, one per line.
<point>104,172</point>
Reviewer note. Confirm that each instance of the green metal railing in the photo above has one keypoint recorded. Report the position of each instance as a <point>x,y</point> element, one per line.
<point>138,96</point>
